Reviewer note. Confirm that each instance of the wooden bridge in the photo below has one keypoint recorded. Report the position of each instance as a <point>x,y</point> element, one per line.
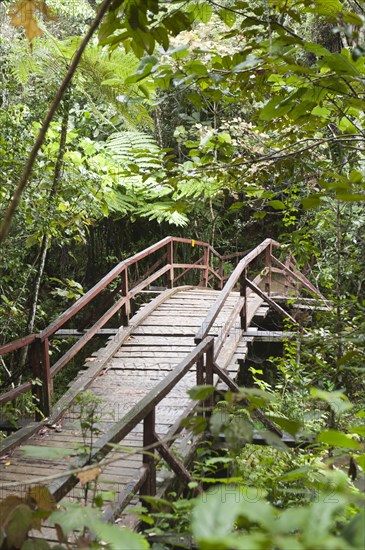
<point>185,336</point>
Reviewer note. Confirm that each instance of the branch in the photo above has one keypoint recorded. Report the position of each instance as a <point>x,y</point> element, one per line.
<point>28,168</point>
<point>285,152</point>
<point>125,452</point>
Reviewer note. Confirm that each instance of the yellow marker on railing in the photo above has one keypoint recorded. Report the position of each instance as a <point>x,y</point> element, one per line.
<point>192,243</point>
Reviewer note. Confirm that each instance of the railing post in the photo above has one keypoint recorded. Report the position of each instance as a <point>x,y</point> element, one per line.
<point>170,260</point>
<point>268,253</point>
<point>286,277</point>
<point>243,292</point>
<point>149,486</point>
<point>126,308</point>
<point>200,371</point>
<point>209,377</point>
<point>206,268</point>
<point>220,271</point>
<point>40,363</point>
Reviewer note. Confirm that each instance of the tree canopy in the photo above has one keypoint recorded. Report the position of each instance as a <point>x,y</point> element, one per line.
<point>226,121</point>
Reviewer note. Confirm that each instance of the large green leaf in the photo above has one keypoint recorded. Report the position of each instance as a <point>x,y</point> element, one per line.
<point>119,538</point>
<point>216,512</point>
<point>47,452</point>
<point>75,518</point>
<point>337,400</point>
<point>337,439</point>
<point>199,393</point>
<point>354,532</point>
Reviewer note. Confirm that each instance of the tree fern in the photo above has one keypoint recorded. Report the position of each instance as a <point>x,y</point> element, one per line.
<point>136,148</point>
<point>101,76</point>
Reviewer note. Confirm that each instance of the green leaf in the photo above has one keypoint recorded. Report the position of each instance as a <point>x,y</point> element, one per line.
<point>177,22</point>
<point>354,532</point>
<point>196,67</point>
<point>200,393</point>
<point>294,475</point>
<point>228,17</point>
<point>250,61</point>
<point>327,7</point>
<point>290,426</point>
<point>179,52</point>
<point>257,397</point>
<point>119,538</point>
<point>273,440</point>
<point>75,517</point>
<point>19,524</point>
<point>360,430</point>
<point>349,355</point>
<point>255,510</point>
<point>47,452</point>
<point>321,111</point>
<point>215,513</point>
<point>355,176</point>
<point>217,421</point>
<point>350,197</point>
<point>277,205</point>
<point>147,65</point>
<point>337,400</point>
<point>318,50</point>
<point>275,108</point>
<point>38,544</point>
<point>311,202</point>
<point>337,439</point>
<point>219,460</point>
<point>202,11</point>
<point>340,64</point>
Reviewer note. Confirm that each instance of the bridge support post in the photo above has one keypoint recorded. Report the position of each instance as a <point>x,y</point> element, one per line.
<point>268,254</point>
<point>206,268</point>
<point>149,486</point>
<point>126,308</point>
<point>170,260</point>
<point>209,377</point>
<point>220,272</point>
<point>39,359</point>
<point>200,371</point>
<point>243,293</point>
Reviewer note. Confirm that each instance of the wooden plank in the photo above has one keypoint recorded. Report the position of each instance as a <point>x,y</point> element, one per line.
<point>99,364</point>
<point>232,281</point>
<point>136,414</point>
<point>74,333</point>
<point>95,367</point>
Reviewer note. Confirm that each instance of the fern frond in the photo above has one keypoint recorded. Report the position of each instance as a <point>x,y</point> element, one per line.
<point>137,148</point>
<point>204,188</point>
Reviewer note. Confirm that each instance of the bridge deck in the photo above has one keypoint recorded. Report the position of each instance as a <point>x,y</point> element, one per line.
<point>154,347</point>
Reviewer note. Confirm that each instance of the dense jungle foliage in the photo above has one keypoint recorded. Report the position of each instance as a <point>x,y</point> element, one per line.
<point>224,121</point>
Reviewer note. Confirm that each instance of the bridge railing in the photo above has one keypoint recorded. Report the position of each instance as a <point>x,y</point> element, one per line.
<point>171,265</point>
<point>145,411</point>
<point>239,275</point>
<point>287,270</point>
<point>203,357</point>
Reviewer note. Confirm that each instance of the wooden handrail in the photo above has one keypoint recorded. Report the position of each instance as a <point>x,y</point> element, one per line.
<point>229,286</point>
<point>137,414</point>
<point>17,344</point>
<point>96,289</point>
<point>40,361</point>
<point>203,356</point>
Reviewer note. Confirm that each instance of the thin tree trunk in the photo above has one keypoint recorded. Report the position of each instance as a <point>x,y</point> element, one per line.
<point>45,240</point>
<point>28,168</point>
